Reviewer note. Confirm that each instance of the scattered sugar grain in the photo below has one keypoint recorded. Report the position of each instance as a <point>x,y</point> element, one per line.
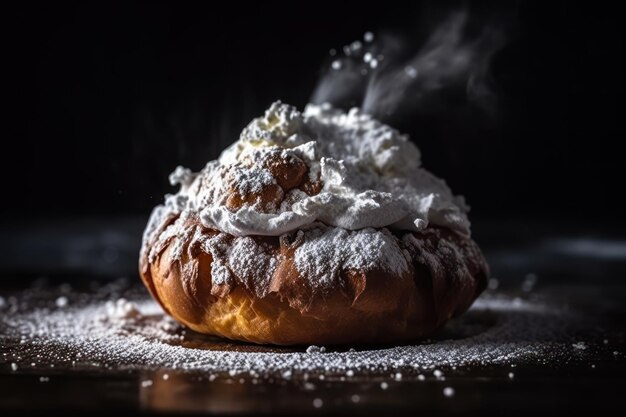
<point>448,391</point>
<point>61,301</point>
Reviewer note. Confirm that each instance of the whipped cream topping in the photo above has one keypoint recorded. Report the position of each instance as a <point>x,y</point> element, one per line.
<point>363,173</point>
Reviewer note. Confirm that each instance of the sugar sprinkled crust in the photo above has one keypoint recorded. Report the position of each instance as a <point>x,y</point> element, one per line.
<point>321,254</point>
<point>316,285</point>
<point>326,251</point>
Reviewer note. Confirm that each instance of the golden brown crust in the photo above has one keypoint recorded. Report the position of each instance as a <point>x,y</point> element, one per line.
<point>445,275</point>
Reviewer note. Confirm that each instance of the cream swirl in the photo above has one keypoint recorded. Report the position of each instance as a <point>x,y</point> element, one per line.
<point>370,176</point>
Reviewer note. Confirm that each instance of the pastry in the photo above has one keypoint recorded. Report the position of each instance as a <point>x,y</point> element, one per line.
<point>318,227</point>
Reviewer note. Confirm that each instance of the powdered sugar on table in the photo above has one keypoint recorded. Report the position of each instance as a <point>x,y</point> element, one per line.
<point>114,329</point>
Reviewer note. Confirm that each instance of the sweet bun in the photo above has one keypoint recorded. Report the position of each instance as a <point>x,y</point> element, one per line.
<point>439,276</point>
<point>265,246</point>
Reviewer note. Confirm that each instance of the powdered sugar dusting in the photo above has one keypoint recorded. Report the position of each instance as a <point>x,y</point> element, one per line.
<point>321,254</point>
<point>326,251</point>
<point>243,258</point>
<point>251,180</point>
<point>495,332</point>
<point>249,260</point>
<point>121,309</point>
<point>218,247</point>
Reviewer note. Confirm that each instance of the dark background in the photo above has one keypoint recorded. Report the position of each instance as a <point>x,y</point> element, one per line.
<point>106,99</point>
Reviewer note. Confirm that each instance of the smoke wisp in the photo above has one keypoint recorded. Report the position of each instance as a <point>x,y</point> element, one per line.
<point>388,76</point>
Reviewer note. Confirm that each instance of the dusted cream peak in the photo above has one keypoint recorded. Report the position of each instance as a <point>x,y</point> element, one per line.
<point>345,169</point>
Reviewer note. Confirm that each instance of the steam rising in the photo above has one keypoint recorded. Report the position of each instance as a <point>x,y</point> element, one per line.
<point>384,80</point>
